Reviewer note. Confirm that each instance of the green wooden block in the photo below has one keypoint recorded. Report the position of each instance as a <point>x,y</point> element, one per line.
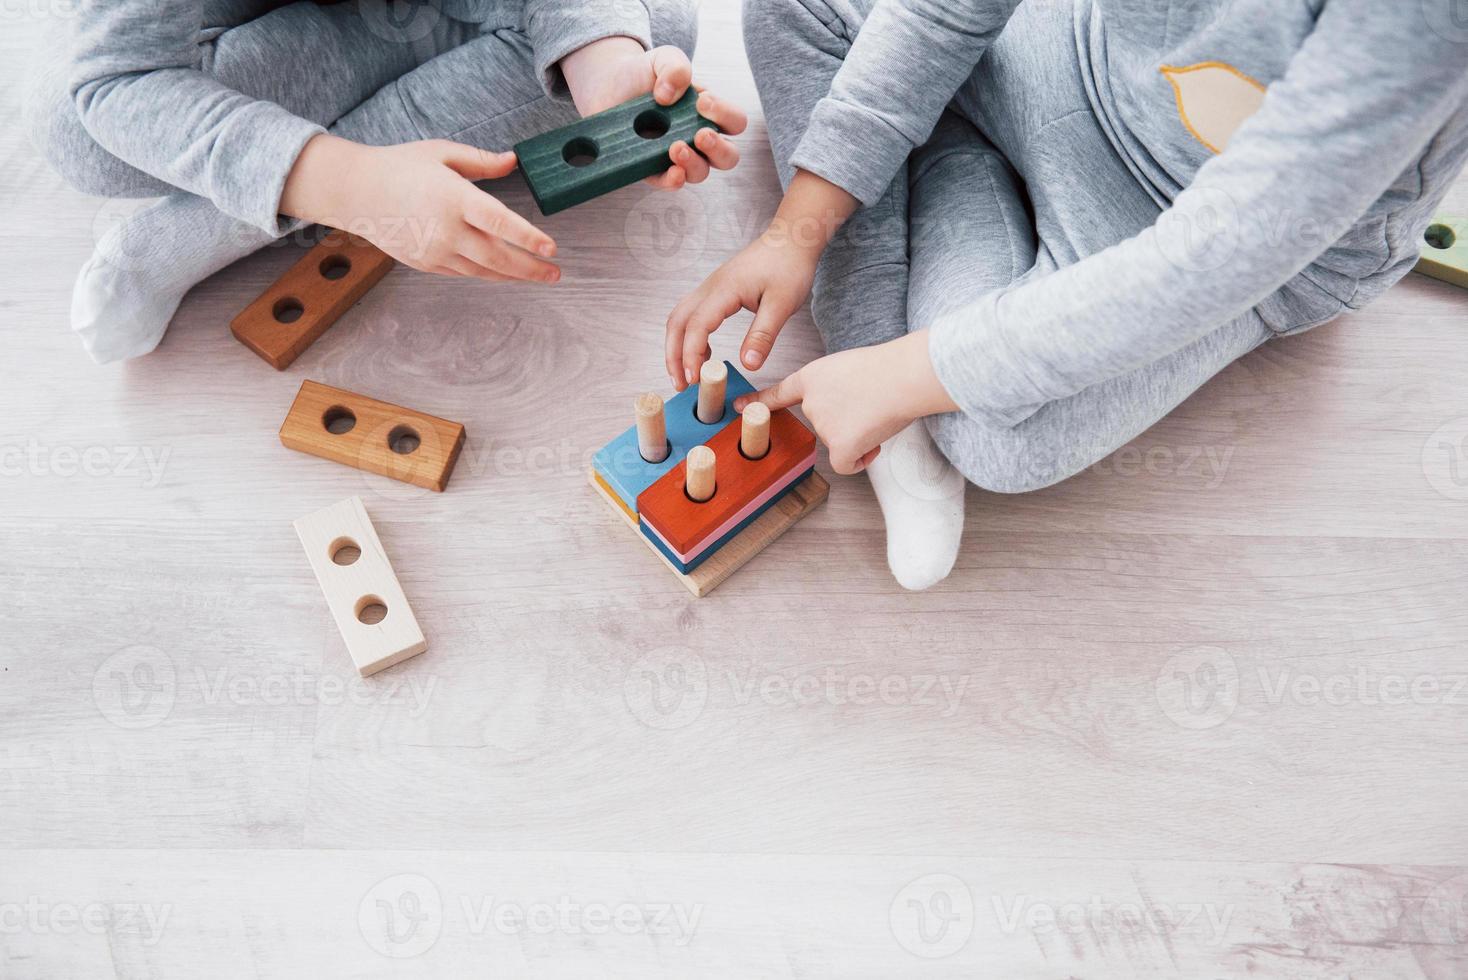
<point>1445,251</point>
<point>614,148</point>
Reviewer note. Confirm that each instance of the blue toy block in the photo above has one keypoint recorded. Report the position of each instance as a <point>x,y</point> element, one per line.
<point>627,474</point>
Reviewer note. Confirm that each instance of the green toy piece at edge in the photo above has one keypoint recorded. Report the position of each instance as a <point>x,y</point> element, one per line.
<point>607,151</point>
<point>1445,251</point>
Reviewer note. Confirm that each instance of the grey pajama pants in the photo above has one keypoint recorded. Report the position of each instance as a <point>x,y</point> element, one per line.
<point>373,71</point>
<point>1017,181</point>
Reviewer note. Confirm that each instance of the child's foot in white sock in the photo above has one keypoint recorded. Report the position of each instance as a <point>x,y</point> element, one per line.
<point>127,292</point>
<point>922,501</point>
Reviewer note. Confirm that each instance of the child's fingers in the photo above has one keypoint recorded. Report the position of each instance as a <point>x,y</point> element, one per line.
<point>695,167</point>
<point>672,74</point>
<point>720,153</point>
<point>724,114</point>
<point>472,163</point>
<point>460,266</point>
<point>774,310</point>
<point>788,391</point>
<point>493,218</point>
<point>671,179</point>
<point>494,254</point>
<point>866,460</point>
<point>673,336</point>
<point>709,316</point>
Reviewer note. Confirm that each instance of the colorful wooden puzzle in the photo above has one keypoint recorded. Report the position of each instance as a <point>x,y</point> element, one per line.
<point>710,503</point>
<point>312,295</point>
<point>1445,251</point>
<point>606,151</point>
<point>372,435</point>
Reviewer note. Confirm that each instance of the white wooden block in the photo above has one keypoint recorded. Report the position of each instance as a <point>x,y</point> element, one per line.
<point>357,588</point>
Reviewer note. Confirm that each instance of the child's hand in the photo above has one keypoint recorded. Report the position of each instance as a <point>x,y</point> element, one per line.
<point>416,202</point>
<point>771,278</point>
<point>608,72</point>
<point>858,399</point>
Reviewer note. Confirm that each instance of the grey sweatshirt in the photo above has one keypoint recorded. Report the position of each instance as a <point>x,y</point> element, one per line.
<point>1316,204</point>
<point>142,94</point>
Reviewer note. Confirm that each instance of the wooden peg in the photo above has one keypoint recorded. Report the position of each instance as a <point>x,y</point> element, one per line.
<point>754,435</point>
<point>701,480</point>
<point>652,427</point>
<point>713,379</point>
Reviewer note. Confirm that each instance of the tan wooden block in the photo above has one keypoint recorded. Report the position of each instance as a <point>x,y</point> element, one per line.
<point>372,435</point>
<point>312,295</point>
<point>362,591</point>
<point>790,510</point>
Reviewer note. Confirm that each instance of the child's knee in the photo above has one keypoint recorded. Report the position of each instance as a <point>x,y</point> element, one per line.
<point>56,131</point>
<point>674,22</point>
<point>1014,460</point>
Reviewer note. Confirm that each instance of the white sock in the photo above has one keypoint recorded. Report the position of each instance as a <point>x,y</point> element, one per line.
<point>127,292</point>
<point>922,500</point>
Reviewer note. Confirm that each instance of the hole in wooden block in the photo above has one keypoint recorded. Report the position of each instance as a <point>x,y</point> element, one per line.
<point>666,453</point>
<point>1440,236</point>
<point>338,420</point>
<point>287,309</point>
<point>580,152</point>
<point>403,440</point>
<point>335,267</point>
<point>651,124</point>
<point>712,494</point>
<point>371,610</point>
<point>345,551</point>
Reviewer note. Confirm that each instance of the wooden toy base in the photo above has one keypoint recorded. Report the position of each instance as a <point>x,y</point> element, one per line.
<point>806,496</point>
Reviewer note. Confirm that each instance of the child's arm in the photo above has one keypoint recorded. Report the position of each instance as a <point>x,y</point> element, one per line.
<point>140,95</point>
<point>907,62</point>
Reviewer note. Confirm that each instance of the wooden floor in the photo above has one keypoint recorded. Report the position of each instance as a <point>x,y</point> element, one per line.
<point>1199,713</point>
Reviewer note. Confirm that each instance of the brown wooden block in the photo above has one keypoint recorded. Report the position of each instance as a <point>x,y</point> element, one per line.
<point>292,314</point>
<point>372,435</point>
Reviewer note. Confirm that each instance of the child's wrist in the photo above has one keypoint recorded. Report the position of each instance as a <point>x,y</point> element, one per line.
<point>922,392</point>
<point>320,187</point>
<point>590,71</point>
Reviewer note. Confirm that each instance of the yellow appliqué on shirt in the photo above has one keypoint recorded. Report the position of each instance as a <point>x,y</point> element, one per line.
<point>1213,100</point>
